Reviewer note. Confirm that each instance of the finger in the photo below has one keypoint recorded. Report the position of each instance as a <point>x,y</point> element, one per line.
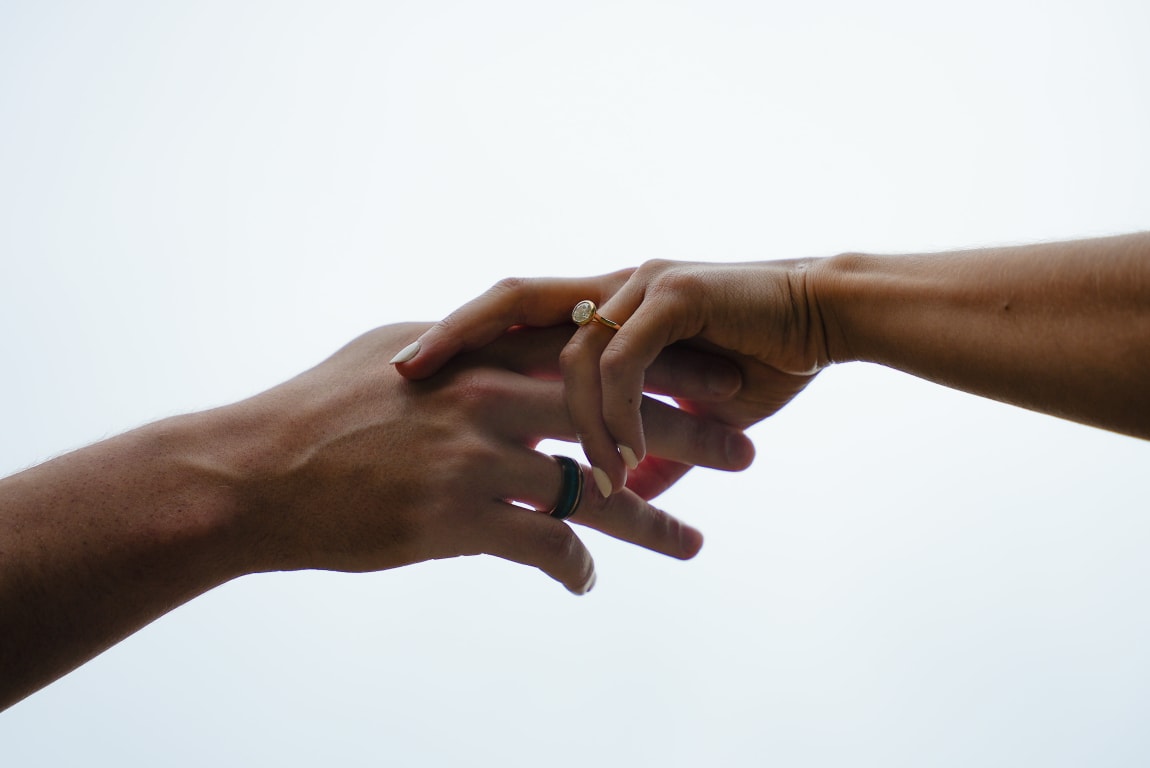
<point>654,476</point>
<point>515,301</point>
<point>528,537</point>
<point>683,372</point>
<point>628,517</point>
<point>579,363</point>
<point>651,326</point>
<point>675,434</point>
<point>625,375</point>
<point>524,410</point>
<point>765,391</point>
<point>529,351</point>
<point>534,478</point>
<point>518,410</point>
<point>537,481</point>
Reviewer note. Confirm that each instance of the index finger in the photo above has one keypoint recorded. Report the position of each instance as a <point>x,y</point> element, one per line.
<point>538,302</point>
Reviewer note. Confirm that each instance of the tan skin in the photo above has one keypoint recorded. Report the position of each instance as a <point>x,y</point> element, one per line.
<point>330,470</point>
<point>346,467</point>
<point>1061,328</point>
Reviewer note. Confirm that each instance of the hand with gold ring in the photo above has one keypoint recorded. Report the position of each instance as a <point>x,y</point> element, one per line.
<point>661,308</point>
<point>1060,328</point>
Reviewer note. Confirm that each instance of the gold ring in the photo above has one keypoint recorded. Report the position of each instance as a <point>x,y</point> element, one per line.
<point>586,312</point>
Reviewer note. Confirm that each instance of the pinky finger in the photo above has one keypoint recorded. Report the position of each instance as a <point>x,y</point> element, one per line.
<point>525,536</point>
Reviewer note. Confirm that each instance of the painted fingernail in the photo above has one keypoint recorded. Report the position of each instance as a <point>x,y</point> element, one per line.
<point>587,587</point>
<point>629,457</point>
<point>602,481</point>
<point>405,354</point>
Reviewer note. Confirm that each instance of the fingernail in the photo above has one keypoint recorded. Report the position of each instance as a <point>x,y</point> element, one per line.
<point>602,481</point>
<point>405,354</point>
<point>586,587</point>
<point>629,457</point>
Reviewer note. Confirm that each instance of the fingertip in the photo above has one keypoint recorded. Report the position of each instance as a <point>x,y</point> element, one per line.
<point>423,357</point>
<point>690,542</point>
<point>740,451</point>
<point>602,482</point>
<point>629,457</point>
<point>587,585</point>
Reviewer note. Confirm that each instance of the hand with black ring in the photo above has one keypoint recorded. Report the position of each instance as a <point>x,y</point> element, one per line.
<point>346,467</point>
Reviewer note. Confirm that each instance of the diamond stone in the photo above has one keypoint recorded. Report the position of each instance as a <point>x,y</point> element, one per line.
<point>583,312</point>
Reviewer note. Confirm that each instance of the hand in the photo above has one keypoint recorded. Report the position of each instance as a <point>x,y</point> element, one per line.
<point>761,317</point>
<point>347,467</point>
<point>369,471</point>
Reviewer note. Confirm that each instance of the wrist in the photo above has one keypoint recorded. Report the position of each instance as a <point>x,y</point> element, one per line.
<point>832,284</point>
<point>226,460</point>
<point>859,302</point>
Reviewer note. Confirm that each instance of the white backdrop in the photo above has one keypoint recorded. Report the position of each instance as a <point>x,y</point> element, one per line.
<point>198,200</point>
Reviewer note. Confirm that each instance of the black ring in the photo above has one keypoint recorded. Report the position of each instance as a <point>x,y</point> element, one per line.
<point>571,490</point>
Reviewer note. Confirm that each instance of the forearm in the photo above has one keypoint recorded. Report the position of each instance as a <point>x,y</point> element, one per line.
<point>104,540</point>
<point>1062,328</point>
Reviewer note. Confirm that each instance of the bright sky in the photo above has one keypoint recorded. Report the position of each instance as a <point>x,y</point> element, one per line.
<point>199,200</point>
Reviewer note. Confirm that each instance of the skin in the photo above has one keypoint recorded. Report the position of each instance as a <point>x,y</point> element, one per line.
<point>1061,328</point>
<point>346,467</point>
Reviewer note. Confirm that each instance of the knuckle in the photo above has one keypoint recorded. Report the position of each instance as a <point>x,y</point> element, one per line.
<point>651,268</point>
<point>471,382</point>
<point>696,435</point>
<point>452,321</point>
<point>509,286</point>
<point>669,279</point>
<point>678,282</point>
<point>474,389</point>
<point>574,353</point>
<point>615,364</point>
<point>649,529</point>
<point>514,294</point>
<point>560,544</point>
<point>706,444</point>
<point>463,460</point>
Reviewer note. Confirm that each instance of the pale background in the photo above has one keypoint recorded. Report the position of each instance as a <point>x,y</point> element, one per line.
<point>199,200</point>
